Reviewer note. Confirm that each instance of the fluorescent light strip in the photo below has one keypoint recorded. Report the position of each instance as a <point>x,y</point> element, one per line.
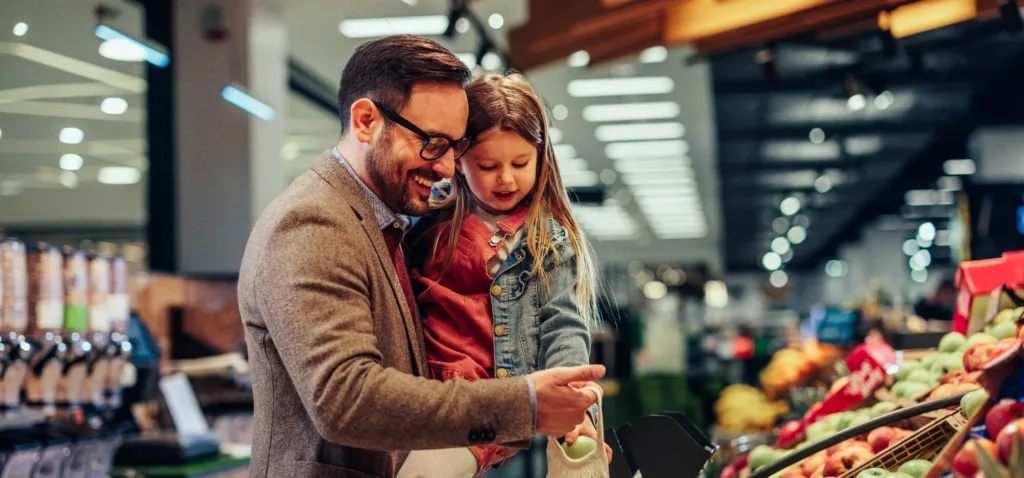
<point>654,54</point>
<point>248,103</point>
<point>425,25</point>
<point>572,164</point>
<point>646,149</point>
<point>650,85</point>
<point>153,56</point>
<point>575,179</point>
<point>654,110</point>
<point>666,182</point>
<point>119,175</point>
<point>639,131</point>
<point>564,151</point>
<point>652,165</point>
<point>74,66</point>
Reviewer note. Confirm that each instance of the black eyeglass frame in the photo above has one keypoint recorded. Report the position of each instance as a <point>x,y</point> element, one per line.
<point>426,137</point>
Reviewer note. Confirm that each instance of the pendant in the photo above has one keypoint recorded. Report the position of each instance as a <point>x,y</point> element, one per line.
<point>494,241</point>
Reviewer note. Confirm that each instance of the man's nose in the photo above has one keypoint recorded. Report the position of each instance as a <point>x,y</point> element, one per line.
<point>445,165</point>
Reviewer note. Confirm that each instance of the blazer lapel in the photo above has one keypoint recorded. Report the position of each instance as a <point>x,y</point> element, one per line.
<point>328,167</point>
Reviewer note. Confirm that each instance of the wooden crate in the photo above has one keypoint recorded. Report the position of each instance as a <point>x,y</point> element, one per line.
<point>924,444</point>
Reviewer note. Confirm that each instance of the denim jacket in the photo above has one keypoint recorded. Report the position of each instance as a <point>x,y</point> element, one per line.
<point>542,326</point>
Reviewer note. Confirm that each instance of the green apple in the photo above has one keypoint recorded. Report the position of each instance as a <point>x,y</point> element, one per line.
<point>854,418</point>
<point>931,358</point>
<point>881,408</point>
<point>584,446</point>
<point>972,402</point>
<point>760,456</point>
<point>951,341</point>
<point>953,361</point>
<point>874,473</point>
<point>1004,330</point>
<point>915,468</point>
<point>833,419</point>
<point>898,475</point>
<point>925,376</point>
<point>820,429</point>
<point>979,338</point>
<point>906,368</point>
<point>911,390</point>
<point>1005,315</point>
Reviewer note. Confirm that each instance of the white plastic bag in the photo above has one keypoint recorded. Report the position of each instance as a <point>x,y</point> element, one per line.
<point>594,465</point>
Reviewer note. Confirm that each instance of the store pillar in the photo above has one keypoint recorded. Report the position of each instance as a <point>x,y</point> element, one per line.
<point>215,153</point>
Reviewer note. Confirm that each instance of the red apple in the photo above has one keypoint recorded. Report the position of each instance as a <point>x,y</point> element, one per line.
<point>793,472</point>
<point>1001,414</point>
<point>966,462</point>
<point>1006,437</point>
<point>845,460</point>
<point>880,438</point>
<point>942,391</point>
<point>791,433</point>
<point>730,472</point>
<point>819,473</point>
<point>976,356</point>
<point>814,462</point>
<point>954,377</point>
<point>832,450</point>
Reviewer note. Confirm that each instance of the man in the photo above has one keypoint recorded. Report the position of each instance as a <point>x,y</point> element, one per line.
<point>336,351</point>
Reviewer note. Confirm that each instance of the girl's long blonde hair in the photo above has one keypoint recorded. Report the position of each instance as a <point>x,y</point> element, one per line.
<point>510,104</point>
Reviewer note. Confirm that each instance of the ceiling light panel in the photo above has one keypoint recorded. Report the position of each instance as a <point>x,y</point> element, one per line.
<point>598,87</point>
<point>646,149</point>
<point>426,25</point>
<point>639,131</point>
<point>655,110</point>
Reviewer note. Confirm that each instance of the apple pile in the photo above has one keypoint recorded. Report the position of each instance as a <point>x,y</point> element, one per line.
<point>991,457</point>
<point>941,372</point>
<point>910,469</point>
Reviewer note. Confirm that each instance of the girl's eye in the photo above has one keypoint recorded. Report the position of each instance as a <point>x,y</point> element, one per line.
<point>487,168</point>
<point>519,166</point>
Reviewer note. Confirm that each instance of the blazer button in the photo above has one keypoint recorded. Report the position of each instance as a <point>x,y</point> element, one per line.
<point>502,373</point>
<point>500,330</point>
<point>496,290</point>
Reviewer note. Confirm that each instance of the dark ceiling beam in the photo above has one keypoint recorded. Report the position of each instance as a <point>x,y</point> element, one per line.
<point>744,170</point>
<point>927,165</point>
<point>832,129</point>
<point>829,81</point>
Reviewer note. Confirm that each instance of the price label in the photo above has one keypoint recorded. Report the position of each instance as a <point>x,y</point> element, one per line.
<point>868,365</point>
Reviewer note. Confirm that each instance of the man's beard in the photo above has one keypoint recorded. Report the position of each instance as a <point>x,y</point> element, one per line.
<point>383,169</point>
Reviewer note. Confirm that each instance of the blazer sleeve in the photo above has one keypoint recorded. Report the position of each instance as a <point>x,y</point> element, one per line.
<point>312,292</point>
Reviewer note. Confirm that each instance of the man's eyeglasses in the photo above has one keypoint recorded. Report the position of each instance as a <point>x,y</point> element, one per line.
<point>434,146</point>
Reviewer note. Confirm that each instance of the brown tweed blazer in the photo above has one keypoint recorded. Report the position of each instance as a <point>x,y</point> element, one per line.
<point>337,358</point>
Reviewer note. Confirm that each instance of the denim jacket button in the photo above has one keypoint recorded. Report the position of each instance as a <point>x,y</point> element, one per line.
<point>502,373</point>
<point>500,330</point>
<point>496,290</point>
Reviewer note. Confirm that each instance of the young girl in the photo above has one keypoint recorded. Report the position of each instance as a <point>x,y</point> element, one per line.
<point>505,279</point>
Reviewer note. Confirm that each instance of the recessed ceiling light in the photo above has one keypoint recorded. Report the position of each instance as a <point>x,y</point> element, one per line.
<point>491,61</point>
<point>778,279</point>
<point>650,85</point>
<point>469,59</point>
<point>960,167</point>
<point>555,135</point>
<point>20,29</point>
<point>817,136</point>
<point>856,102</point>
<point>560,112</point>
<point>780,225</point>
<point>836,268</point>
<point>631,111</point>
<point>790,206</point>
<point>919,276</point>
<point>462,25</point>
<point>780,245</point>
<point>771,261</point>
<point>608,177</point>
<point>797,235</point>
<point>654,54</point>
<point>639,131</point>
<point>425,25</point>
<point>68,179</point>
<point>122,50</point>
<point>71,162</point>
<point>496,21</point>
<point>114,106</point>
<point>823,184</point>
<point>71,136</point>
<point>646,149</point>
<point>119,175</point>
<point>579,59</point>
<point>884,100</point>
<point>290,150</point>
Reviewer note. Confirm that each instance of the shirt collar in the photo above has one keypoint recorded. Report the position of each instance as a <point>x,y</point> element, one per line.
<point>384,215</point>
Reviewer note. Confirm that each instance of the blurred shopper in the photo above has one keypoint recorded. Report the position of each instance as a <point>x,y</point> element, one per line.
<point>507,283</point>
<point>938,306</point>
<point>337,352</point>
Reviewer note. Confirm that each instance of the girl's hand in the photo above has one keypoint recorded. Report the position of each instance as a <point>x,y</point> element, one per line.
<point>587,429</point>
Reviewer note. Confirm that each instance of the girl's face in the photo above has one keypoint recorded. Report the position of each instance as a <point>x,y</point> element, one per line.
<point>501,170</point>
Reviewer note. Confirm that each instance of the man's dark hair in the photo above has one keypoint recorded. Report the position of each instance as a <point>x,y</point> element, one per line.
<point>386,69</point>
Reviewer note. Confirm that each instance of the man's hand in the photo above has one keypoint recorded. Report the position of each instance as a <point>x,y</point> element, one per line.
<point>560,405</point>
<point>587,429</point>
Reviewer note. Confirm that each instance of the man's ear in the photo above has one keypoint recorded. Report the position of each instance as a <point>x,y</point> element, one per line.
<point>365,120</point>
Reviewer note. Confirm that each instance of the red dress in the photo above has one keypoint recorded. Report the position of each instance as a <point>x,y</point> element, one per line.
<point>455,305</point>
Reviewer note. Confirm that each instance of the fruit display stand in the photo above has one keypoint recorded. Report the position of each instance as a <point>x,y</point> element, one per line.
<point>924,444</point>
